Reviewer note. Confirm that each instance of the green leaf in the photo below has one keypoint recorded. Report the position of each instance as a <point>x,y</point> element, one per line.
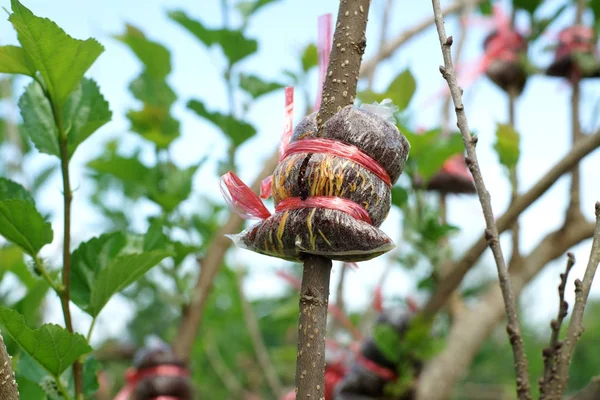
<point>152,91</point>
<point>399,196</point>
<point>127,169</point>
<point>29,390</point>
<point>155,124</point>
<point>10,190</point>
<point>155,57</point>
<point>85,111</point>
<point>234,44</point>
<point>310,57</point>
<point>540,25</point>
<point>11,260</point>
<point>119,274</point>
<point>169,186</point>
<point>155,238</point>
<point>43,176</point>
<point>61,59</point>
<point>485,7</point>
<point>13,60</point>
<point>38,119</point>
<point>103,266</point>
<point>247,8</point>
<point>22,224</point>
<point>387,341</point>
<point>238,131</point>
<point>402,89</point>
<point>507,145</point>
<point>30,304</point>
<point>595,6</point>
<point>257,87</point>
<point>528,5</point>
<point>51,346</point>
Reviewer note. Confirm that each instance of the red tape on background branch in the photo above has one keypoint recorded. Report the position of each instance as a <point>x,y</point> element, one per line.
<point>336,148</point>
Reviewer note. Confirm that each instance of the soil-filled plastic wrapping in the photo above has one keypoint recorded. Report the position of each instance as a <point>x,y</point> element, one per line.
<point>331,192</point>
<point>160,373</point>
<point>576,55</point>
<point>453,178</point>
<point>504,49</point>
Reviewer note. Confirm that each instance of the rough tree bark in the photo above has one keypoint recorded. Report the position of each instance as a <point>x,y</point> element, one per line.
<point>339,90</point>
<point>8,384</point>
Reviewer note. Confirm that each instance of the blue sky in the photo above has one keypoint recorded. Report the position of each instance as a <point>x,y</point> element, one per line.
<point>283,29</point>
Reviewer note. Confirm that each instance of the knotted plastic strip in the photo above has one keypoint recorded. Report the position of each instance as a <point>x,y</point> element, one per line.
<point>340,149</point>
<point>244,202</point>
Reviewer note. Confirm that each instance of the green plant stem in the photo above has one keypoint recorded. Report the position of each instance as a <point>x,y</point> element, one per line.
<point>40,267</point>
<point>62,389</point>
<point>92,325</point>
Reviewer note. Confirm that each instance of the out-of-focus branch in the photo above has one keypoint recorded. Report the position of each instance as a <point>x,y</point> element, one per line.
<point>211,264</point>
<point>259,345</point>
<point>559,380</point>
<point>474,326</point>
<point>386,11</point>
<point>339,302</point>
<point>390,47</point>
<point>228,378</point>
<point>450,282</point>
<point>8,384</point>
<point>513,328</point>
<point>590,392</point>
<point>550,352</point>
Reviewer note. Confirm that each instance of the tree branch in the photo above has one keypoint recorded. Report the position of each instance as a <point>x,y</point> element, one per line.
<point>8,385</point>
<point>339,90</point>
<point>590,392</point>
<point>211,264</point>
<point>582,290</point>
<point>513,328</point>
<point>385,19</point>
<point>259,345</point>
<point>473,326</point>
<point>450,282</point>
<point>550,352</point>
<point>389,48</point>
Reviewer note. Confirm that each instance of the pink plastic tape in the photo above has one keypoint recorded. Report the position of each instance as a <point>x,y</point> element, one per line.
<point>323,49</point>
<point>244,202</point>
<point>340,149</point>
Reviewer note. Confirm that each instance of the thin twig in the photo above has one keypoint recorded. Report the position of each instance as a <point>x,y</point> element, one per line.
<point>514,180</point>
<point>550,352</point>
<point>574,210</point>
<point>339,302</point>
<point>386,11</point>
<point>8,385</point>
<point>473,326</point>
<point>590,392</point>
<point>449,283</point>
<point>582,291</point>
<point>262,354</point>
<point>391,46</point>
<point>513,328</point>
<point>218,365</point>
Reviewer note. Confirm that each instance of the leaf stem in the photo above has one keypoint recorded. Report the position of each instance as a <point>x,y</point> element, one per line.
<point>42,270</point>
<point>89,335</point>
<point>62,389</point>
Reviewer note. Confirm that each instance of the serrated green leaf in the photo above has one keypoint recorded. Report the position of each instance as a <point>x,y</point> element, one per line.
<point>13,60</point>
<point>38,119</point>
<point>399,196</point>
<point>507,145</point>
<point>528,5</point>
<point>84,112</point>
<point>119,274</point>
<point>10,190</point>
<point>51,346</point>
<point>155,57</point>
<point>257,87</point>
<point>152,91</point>
<point>238,131</point>
<point>402,89</point>
<point>234,44</point>
<point>155,124</point>
<point>61,59</point>
<point>310,57</point>
<point>23,225</point>
<point>170,186</point>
